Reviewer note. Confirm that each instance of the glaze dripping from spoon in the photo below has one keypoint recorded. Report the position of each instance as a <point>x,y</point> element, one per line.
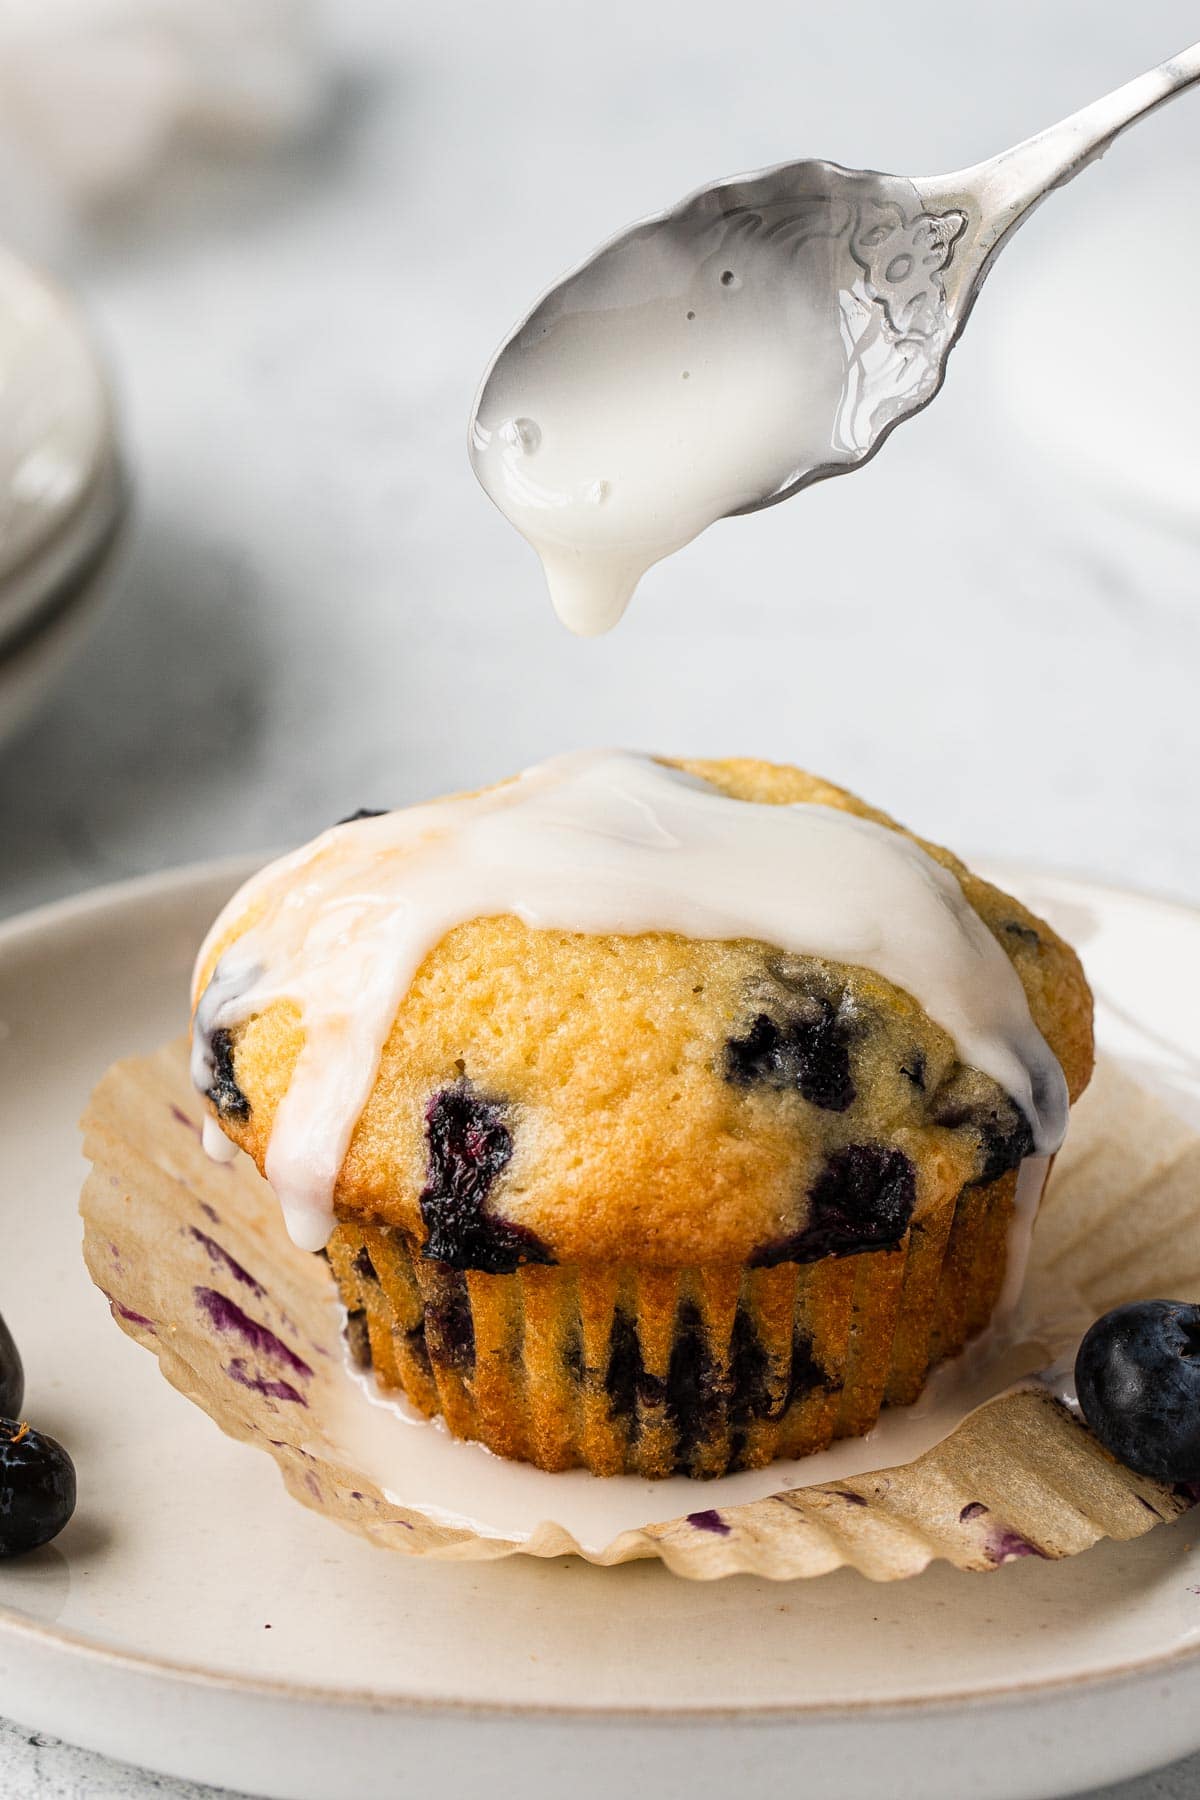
<point>768,332</point>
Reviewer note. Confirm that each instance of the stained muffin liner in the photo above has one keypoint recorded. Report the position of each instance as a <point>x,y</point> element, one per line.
<point>694,1371</point>
<point>196,1266</point>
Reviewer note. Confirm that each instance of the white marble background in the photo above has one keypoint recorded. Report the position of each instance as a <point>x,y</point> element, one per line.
<point>321,611</point>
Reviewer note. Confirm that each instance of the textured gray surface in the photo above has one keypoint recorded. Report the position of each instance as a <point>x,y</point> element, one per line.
<point>41,1768</point>
<point>320,611</point>
<point>36,1767</point>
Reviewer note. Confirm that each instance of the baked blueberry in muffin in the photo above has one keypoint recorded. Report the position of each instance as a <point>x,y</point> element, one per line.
<point>659,1117</point>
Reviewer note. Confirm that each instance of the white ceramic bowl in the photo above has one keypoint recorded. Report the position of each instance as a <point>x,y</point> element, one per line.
<point>57,443</point>
<point>32,666</point>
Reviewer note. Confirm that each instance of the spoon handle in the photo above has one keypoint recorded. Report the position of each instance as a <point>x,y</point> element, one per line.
<point>1007,187</point>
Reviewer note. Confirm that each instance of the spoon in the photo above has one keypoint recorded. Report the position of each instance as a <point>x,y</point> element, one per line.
<point>768,332</point>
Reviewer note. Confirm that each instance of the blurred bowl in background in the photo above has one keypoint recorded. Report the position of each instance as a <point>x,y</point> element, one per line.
<point>31,669</point>
<point>63,495</point>
<point>1100,360</point>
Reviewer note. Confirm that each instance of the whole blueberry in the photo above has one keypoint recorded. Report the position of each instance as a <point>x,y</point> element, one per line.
<point>12,1375</point>
<point>37,1488</point>
<point>1137,1375</point>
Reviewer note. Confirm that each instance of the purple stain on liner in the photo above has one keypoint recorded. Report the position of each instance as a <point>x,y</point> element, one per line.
<point>210,1212</point>
<point>178,1113</point>
<point>710,1520</point>
<point>133,1318</point>
<point>260,1384</point>
<point>974,1509</point>
<point>225,1315</point>
<point>218,1254</point>
<point>1007,1545</point>
<point>313,1485</point>
<point>853,1499</point>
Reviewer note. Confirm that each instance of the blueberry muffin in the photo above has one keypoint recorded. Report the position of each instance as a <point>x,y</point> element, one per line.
<point>640,1200</point>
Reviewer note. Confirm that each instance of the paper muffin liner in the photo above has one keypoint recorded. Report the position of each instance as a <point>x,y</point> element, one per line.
<point>653,1372</point>
<point>197,1267</point>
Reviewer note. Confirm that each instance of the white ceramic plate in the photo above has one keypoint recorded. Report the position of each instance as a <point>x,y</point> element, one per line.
<point>194,1619</point>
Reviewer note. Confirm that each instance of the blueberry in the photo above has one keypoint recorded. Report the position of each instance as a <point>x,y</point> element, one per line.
<point>809,1051</point>
<point>469,1148</point>
<point>1004,1135</point>
<point>755,1395</point>
<point>862,1200</point>
<point>626,1380</point>
<point>224,1091</point>
<point>358,1337</point>
<point>37,1488</point>
<point>12,1375</point>
<point>695,1394</point>
<point>449,1323</point>
<point>1137,1375</point>
<point>1005,1140</point>
<point>749,1373</point>
<point>573,1355</point>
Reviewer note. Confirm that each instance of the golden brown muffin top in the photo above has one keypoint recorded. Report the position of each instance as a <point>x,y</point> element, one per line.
<point>560,1096</point>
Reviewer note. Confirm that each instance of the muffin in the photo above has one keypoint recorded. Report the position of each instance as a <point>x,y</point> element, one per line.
<point>655,1117</point>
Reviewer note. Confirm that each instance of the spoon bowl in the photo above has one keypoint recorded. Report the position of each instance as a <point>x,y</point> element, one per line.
<point>766,333</point>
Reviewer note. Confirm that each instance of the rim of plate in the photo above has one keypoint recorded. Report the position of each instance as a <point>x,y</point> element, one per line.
<point>163,883</point>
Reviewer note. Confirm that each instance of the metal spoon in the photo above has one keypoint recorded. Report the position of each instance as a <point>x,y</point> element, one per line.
<point>768,332</point>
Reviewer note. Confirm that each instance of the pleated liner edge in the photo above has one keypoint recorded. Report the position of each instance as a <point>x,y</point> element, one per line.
<point>661,1371</point>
